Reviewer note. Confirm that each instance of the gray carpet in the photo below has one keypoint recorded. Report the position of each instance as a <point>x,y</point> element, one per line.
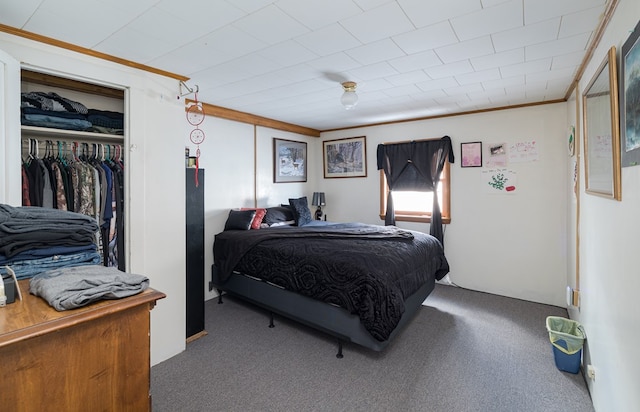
<point>463,351</point>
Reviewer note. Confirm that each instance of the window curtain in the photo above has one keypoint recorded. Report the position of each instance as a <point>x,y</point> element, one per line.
<point>415,166</point>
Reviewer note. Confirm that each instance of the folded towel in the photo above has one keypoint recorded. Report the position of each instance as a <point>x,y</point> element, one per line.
<point>74,287</point>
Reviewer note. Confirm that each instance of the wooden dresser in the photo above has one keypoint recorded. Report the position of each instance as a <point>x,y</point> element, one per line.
<point>95,358</point>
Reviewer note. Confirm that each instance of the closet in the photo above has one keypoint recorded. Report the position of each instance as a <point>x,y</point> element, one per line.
<point>72,135</point>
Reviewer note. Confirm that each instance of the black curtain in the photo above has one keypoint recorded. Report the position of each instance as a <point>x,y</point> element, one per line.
<point>415,166</point>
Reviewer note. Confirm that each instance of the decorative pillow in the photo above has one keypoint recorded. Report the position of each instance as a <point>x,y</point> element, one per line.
<point>278,214</point>
<point>301,210</point>
<point>257,220</point>
<point>239,219</point>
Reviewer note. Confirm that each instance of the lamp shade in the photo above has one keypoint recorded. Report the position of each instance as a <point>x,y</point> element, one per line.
<point>318,199</point>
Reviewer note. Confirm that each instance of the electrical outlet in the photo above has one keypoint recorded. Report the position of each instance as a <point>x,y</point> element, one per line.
<point>591,372</point>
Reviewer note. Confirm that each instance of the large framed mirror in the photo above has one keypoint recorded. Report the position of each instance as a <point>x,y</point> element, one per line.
<point>601,131</point>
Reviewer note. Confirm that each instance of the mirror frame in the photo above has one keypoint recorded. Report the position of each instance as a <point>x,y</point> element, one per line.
<point>601,131</point>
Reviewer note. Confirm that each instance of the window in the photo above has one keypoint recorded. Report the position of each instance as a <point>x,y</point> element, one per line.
<point>416,206</point>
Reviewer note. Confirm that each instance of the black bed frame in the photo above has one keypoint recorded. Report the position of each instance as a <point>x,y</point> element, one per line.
<point>331,319</point>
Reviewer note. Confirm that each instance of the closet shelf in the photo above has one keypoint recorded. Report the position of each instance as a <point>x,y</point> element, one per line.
<point>61,134</point>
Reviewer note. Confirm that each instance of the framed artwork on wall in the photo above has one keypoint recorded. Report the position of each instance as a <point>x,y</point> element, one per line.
<point>289,161</point>
<point>345,157</point>
<point>471,154</point>
<point>601,131</point>
<point>630,100</point>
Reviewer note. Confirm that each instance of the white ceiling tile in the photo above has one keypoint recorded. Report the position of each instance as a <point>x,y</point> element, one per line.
<point>427,12</point>
<point>219,75</point>
<point>375,85</point>
<point>498,59</point>
<point>317,14</point>
<point>285,59</point>
<point>477,77</point>
<point>491,3</point>
<point>370,4</point>
<point>373,71</point>
<point>426,38</point>
<point>538,10</point>
<point>438,84</point>
<point>557,48</point>
<point>378,23</point>
<point>271,25</point>
<point>467,49</point>
<point>288,53</point>
<point>489,20</point>
<point>408,78</point>
<point>581,22</point>
<point>415,61</point>
<point>452,69</point>
<point>328,40</point>
<point>402,90</point>
<point>127,44</point>
<point>255,64</point>
<point>567,60</point>
<point>217,42</point>
<point>375,52</point>
<point>334,63</point>
<point>250,6</point>
<point>505,82</point>
<point>460,90</point>
<point>564,74</point>
<point>428,95</point>
<point>18,16</point>
<point>207,15</point>
<point>60,20</point>
<point>526,68</point>
<point>525,36</point>
<point>173,27</point>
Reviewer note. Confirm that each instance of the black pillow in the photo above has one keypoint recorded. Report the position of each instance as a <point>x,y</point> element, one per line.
<point>239,219</point>
<point>301,210</point>
<point>278,214</point>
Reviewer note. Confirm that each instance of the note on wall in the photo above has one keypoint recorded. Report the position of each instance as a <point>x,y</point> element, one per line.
<point>495,155</point>
<point>526,151</point>
<point>499,181</point>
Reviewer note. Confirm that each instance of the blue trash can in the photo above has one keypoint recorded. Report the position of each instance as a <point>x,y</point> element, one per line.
<point>567,337</point>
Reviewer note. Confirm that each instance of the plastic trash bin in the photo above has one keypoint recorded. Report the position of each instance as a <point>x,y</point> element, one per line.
<point>567,337</point>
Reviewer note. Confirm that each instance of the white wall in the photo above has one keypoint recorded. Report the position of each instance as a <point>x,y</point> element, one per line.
<point>155,173</point>
<point>512,245</point>
<point>238,162</point>
<point>609,275</point>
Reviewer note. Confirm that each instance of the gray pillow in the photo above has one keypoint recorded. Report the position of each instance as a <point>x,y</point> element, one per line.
<point>239,219</point>
<point>278,214</point>
<point>301,210</point>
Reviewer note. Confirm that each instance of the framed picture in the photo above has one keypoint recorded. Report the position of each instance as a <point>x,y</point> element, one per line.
<point>345,157</point>
<point>289,161</point>
<point>601,133</point>
<point>471,154</point>
<point>630,100</point>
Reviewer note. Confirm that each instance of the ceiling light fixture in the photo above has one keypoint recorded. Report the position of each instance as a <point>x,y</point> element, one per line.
<point>349,98</point>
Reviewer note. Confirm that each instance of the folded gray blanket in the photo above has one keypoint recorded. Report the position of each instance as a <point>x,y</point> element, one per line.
<point>74,287</point>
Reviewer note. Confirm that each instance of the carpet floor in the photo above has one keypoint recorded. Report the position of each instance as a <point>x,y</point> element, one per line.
<point>463,351</point>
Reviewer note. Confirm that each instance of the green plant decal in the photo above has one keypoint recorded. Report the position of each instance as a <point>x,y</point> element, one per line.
<point>498,181</point>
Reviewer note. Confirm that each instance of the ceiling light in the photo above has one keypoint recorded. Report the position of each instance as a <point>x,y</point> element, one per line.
<point>349,98</point>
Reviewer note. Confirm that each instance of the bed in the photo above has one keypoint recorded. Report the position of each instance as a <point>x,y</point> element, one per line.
<point>357,282</point>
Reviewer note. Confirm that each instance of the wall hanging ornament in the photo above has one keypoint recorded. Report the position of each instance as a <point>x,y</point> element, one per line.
<point>195,117</point>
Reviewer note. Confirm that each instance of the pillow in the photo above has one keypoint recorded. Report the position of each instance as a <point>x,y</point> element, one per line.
<point>257,220</point>
<point>239,219</point>
<point>278,214</point>
<point>301,210</point>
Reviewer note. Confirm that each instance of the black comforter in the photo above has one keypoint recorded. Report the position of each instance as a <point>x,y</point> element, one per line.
<point>368,270</point>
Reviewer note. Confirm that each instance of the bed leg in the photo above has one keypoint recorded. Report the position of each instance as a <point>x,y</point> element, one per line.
<point>339,354</point>
<point>220,297</point>
<point>271,325</point>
